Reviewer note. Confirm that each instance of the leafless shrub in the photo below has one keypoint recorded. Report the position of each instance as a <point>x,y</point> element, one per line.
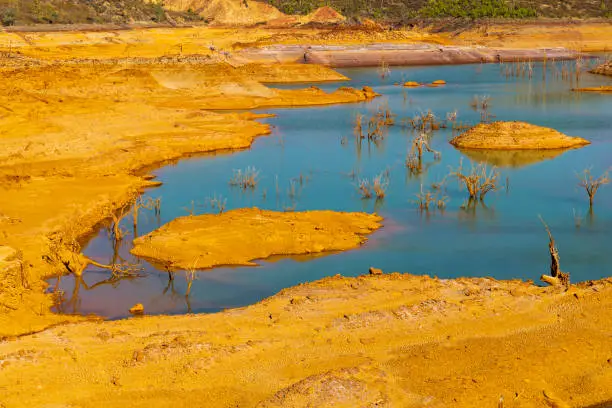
<point>191,275</point>
<point>478,181</point>
<point>381,183</point>
<point>424,122</point>
<point>377,188</point>
<point>482,104</point>
<point>383,70</point>
<point>245,179</point>
<point>144,204</point>
<point>64,250</point>
<point>377,125</point>
<point>428,199</point>
<point>364,188</point>
<point>414,158</point>
<point>217,204</point>
<point>413,163</point>
<point>590,184</point>
<point>191,210</point>
<point>421,144</point>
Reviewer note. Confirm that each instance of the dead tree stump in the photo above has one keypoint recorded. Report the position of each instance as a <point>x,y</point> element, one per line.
<point>556,277</point>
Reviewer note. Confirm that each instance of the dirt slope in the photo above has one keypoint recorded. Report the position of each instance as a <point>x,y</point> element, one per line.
<point>228,12</point>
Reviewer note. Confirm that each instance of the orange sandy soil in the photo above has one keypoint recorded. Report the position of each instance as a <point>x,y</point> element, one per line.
<point>600,89</point>
<point>239,237</point>
<point>580,36</point>
<point>515,136</point>
<point>375,341</point>
<point>155,42</point>
<point>73,137</point>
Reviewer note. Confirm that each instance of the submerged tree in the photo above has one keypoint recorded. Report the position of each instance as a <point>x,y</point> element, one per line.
<point>556,277</point>
<point>479,181</point>
<point>591,184</point>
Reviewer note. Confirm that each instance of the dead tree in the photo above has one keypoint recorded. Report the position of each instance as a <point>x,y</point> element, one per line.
<point>144,204</point>
<point>556,277</point>
<point>591,185</point>
<point>64,251</point>
<point>421,143</point>
<point>479,181</point>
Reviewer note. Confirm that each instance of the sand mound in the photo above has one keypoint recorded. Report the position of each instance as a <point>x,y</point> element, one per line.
<point>515,136</point>
<point>325,15</point>
<point>604,69</point>
<point>240,236</point>
<point>228,12</point>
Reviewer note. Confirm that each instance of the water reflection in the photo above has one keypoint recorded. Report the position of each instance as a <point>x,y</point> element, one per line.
<point>465,239</point>
<point>511,158</point>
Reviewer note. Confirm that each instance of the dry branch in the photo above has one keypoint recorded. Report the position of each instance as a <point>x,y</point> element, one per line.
<point>591,184</point>
<point>479,181</point>
<point>556,277</point>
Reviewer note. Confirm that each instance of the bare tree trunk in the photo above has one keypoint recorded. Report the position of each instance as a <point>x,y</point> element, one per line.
<point>556,277</point>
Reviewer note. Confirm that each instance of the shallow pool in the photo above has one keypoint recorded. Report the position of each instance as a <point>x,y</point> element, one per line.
<point>311,161</point>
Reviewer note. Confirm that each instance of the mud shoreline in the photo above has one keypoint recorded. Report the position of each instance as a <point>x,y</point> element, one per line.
<point>376,55</point>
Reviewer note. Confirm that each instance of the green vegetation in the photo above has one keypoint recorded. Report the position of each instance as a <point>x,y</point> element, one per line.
<point>408,10</point>
<point>475,9</point>
<point>26,12</point>
<point>7,17</point>
<point>158,9</point>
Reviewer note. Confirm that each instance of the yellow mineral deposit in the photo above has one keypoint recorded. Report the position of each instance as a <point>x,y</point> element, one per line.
<point>515,136</point>
<point>239,237</point>
<point>83,112</point>
<point>137,309</point>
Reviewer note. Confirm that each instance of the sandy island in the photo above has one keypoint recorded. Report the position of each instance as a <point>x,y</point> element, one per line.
<point>240,236</point>
<point>515,136</point>
<point>604,69</point>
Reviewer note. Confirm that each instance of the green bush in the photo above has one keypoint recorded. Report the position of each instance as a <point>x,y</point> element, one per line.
<point>158,10</point>
<point>474,9</point>
<point>7,17</point>
<point>296,6</point>
<point>48,14</point>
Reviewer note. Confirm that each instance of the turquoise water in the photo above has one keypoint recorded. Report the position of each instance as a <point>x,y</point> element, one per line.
<point>503,239</point>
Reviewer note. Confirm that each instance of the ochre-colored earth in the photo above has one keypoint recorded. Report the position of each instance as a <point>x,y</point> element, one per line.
<point>515,136</point>
<point>73,137</point>
<point>596,89</point>
<point>239,237</point>
<point>84,114</point>
<point>387,341</point>
<point>604,69</point>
